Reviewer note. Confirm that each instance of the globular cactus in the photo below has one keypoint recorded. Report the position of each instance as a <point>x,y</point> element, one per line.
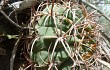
<point>67,37</point>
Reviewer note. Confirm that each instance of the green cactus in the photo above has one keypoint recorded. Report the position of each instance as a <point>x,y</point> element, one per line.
<point>61,35</point>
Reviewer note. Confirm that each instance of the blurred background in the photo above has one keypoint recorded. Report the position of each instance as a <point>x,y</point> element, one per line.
<point>104,6</point>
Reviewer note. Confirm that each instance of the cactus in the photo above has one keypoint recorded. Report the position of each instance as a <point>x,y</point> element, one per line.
<point>67,38</point>
<point>56,35</point>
